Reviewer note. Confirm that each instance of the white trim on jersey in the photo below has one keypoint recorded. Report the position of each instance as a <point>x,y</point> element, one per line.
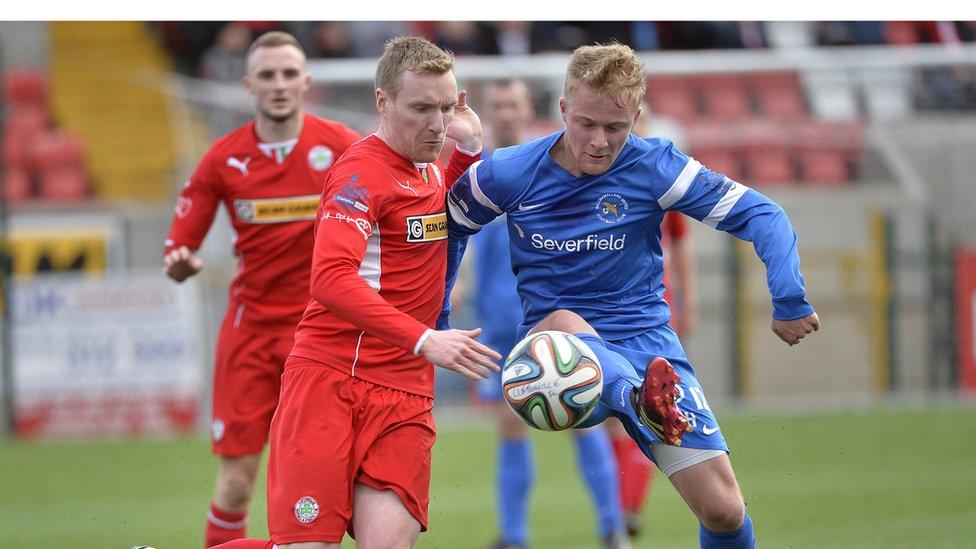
<point>355,360</point>
<point>420,342</point>
<point>476,190</point>
<point>458,215</point>
<point>725,204</point>
<point>370,268</point>
<point>681,184</point>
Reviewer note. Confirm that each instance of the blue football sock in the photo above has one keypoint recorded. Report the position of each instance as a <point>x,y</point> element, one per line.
<point>619,376</point>
<point>743,538</point>
<point>599,467</point>
<point>515,471</point>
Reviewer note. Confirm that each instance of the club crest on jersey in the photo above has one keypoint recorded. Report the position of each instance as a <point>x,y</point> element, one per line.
<point>277,210</point>
<point>217,429</point>
<point>427,228</point>
<point>320,158</point>
<point>306,509</point>
<point>183,206</point>
<point>611,208</point>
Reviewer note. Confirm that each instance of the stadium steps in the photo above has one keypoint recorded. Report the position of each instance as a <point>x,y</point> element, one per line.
<point>96,68</point>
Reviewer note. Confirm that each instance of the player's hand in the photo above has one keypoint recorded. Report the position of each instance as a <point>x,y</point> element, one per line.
<point>465,127</point>
<point>180,264</point>
<point>458,351</point>
<point>792,331</point>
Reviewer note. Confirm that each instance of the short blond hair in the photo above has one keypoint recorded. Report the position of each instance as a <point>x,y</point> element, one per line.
<point>273,39</point>
<point>409,53</point>
<point>613,70</point>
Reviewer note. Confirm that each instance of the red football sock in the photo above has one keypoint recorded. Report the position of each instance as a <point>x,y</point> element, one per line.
<point>242,543</point>
<point>636,473</point>
<point>223,526</point>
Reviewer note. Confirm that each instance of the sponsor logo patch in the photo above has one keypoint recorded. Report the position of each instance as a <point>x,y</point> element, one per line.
<point>427,228</point>
<point>277,210</point>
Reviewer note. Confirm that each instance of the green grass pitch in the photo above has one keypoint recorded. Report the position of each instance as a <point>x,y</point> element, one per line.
<point>882,478</point>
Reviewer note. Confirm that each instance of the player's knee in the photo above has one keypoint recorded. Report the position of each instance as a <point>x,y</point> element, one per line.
<point>402,537</point>
<point>235,484</point>
<point>723,516</point>
<point>564,320</point>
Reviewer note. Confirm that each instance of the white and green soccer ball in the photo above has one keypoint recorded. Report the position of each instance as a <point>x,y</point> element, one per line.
<point>552,380</point>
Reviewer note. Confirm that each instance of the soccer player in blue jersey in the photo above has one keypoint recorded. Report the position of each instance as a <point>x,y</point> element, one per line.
<point>507,112</point>
<point>584,209</point>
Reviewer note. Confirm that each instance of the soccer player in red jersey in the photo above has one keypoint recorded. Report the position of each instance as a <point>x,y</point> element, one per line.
<point>351,439</point>
<point>269,175</point>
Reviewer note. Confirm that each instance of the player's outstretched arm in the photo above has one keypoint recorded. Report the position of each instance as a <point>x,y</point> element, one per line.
<point>458,351</point>
<point>792,331</point>
<point>181,263</point>
<point>465,128</point>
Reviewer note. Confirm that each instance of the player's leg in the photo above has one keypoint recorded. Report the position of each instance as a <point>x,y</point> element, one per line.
<point>381,521</point>
<point>309,490</point>
<point>620,379</point>
<point>594,456</point>
<point>243,543</point>
<point>514,474</point>
<point>706,482</point>
<point>393,452</point>
<point>245,393</point>
<point>636,475</point>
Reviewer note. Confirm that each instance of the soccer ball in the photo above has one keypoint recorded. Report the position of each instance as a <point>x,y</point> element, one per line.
<point>552,380</point>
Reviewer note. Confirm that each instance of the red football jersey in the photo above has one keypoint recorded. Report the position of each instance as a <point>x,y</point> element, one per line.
<point>379,265</point>
<point>271,196</point>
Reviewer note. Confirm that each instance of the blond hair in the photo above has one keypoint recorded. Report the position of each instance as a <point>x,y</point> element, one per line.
<point>273,39</point>
<point>409,53</point>
<point>613,70</point>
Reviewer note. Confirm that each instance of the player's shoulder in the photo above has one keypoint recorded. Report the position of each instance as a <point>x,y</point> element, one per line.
<point>508,162</point>
<point>234,142</point>
<point>658,154</point>
<point>330,128</point>
<point>366,156</point>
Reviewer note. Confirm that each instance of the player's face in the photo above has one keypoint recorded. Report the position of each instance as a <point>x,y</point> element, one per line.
<point>276,77</point>
<point>596,129</point>
<point>508,112</point>
<point>416,119</point>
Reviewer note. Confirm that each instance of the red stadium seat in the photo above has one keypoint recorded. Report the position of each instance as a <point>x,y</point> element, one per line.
<point>770,165</point>
<point>24,87</point>
<point>16,186</point>
<point>57,150</point>
<point>20,133</point>
<point>724,161</point>
<point>67,184</point>
<point>780,95</point>
<point>726,97</point>
<point>824,167</point>
<point>673,96</point>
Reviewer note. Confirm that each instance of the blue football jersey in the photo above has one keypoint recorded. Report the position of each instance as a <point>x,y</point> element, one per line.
<point>496,300</point>
<point>591,244</point>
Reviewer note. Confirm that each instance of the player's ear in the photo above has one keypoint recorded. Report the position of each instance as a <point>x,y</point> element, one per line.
<point>308,82</point>
<point>562,108</point>
<point>248,83</point>
<point>381,101</point>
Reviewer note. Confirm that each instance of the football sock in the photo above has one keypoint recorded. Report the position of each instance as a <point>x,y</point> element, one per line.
<point>619,376</point>
<point>636,473</point>
<point>242,543</point>
<point>743,538</point>
<point>595,458</point>
<point>515,471</point>
<point>223,526</point>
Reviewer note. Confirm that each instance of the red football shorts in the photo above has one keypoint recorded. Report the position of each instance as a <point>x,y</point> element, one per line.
<point>247,376</point>
<point>331,431</point>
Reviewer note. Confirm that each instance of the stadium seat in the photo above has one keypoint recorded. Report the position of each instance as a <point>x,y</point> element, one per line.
<point>23,87</point>
<point>901,33</point>
<point>16,186</point>
<point>724,161</point>
<point>824,167</point>
<point>779,95</point>
<point>22,130</point>
<point>56,150</point>
<point>770,165</point>
<point>726,97</point>
<point>64,184</point>
<point>673,96</point>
